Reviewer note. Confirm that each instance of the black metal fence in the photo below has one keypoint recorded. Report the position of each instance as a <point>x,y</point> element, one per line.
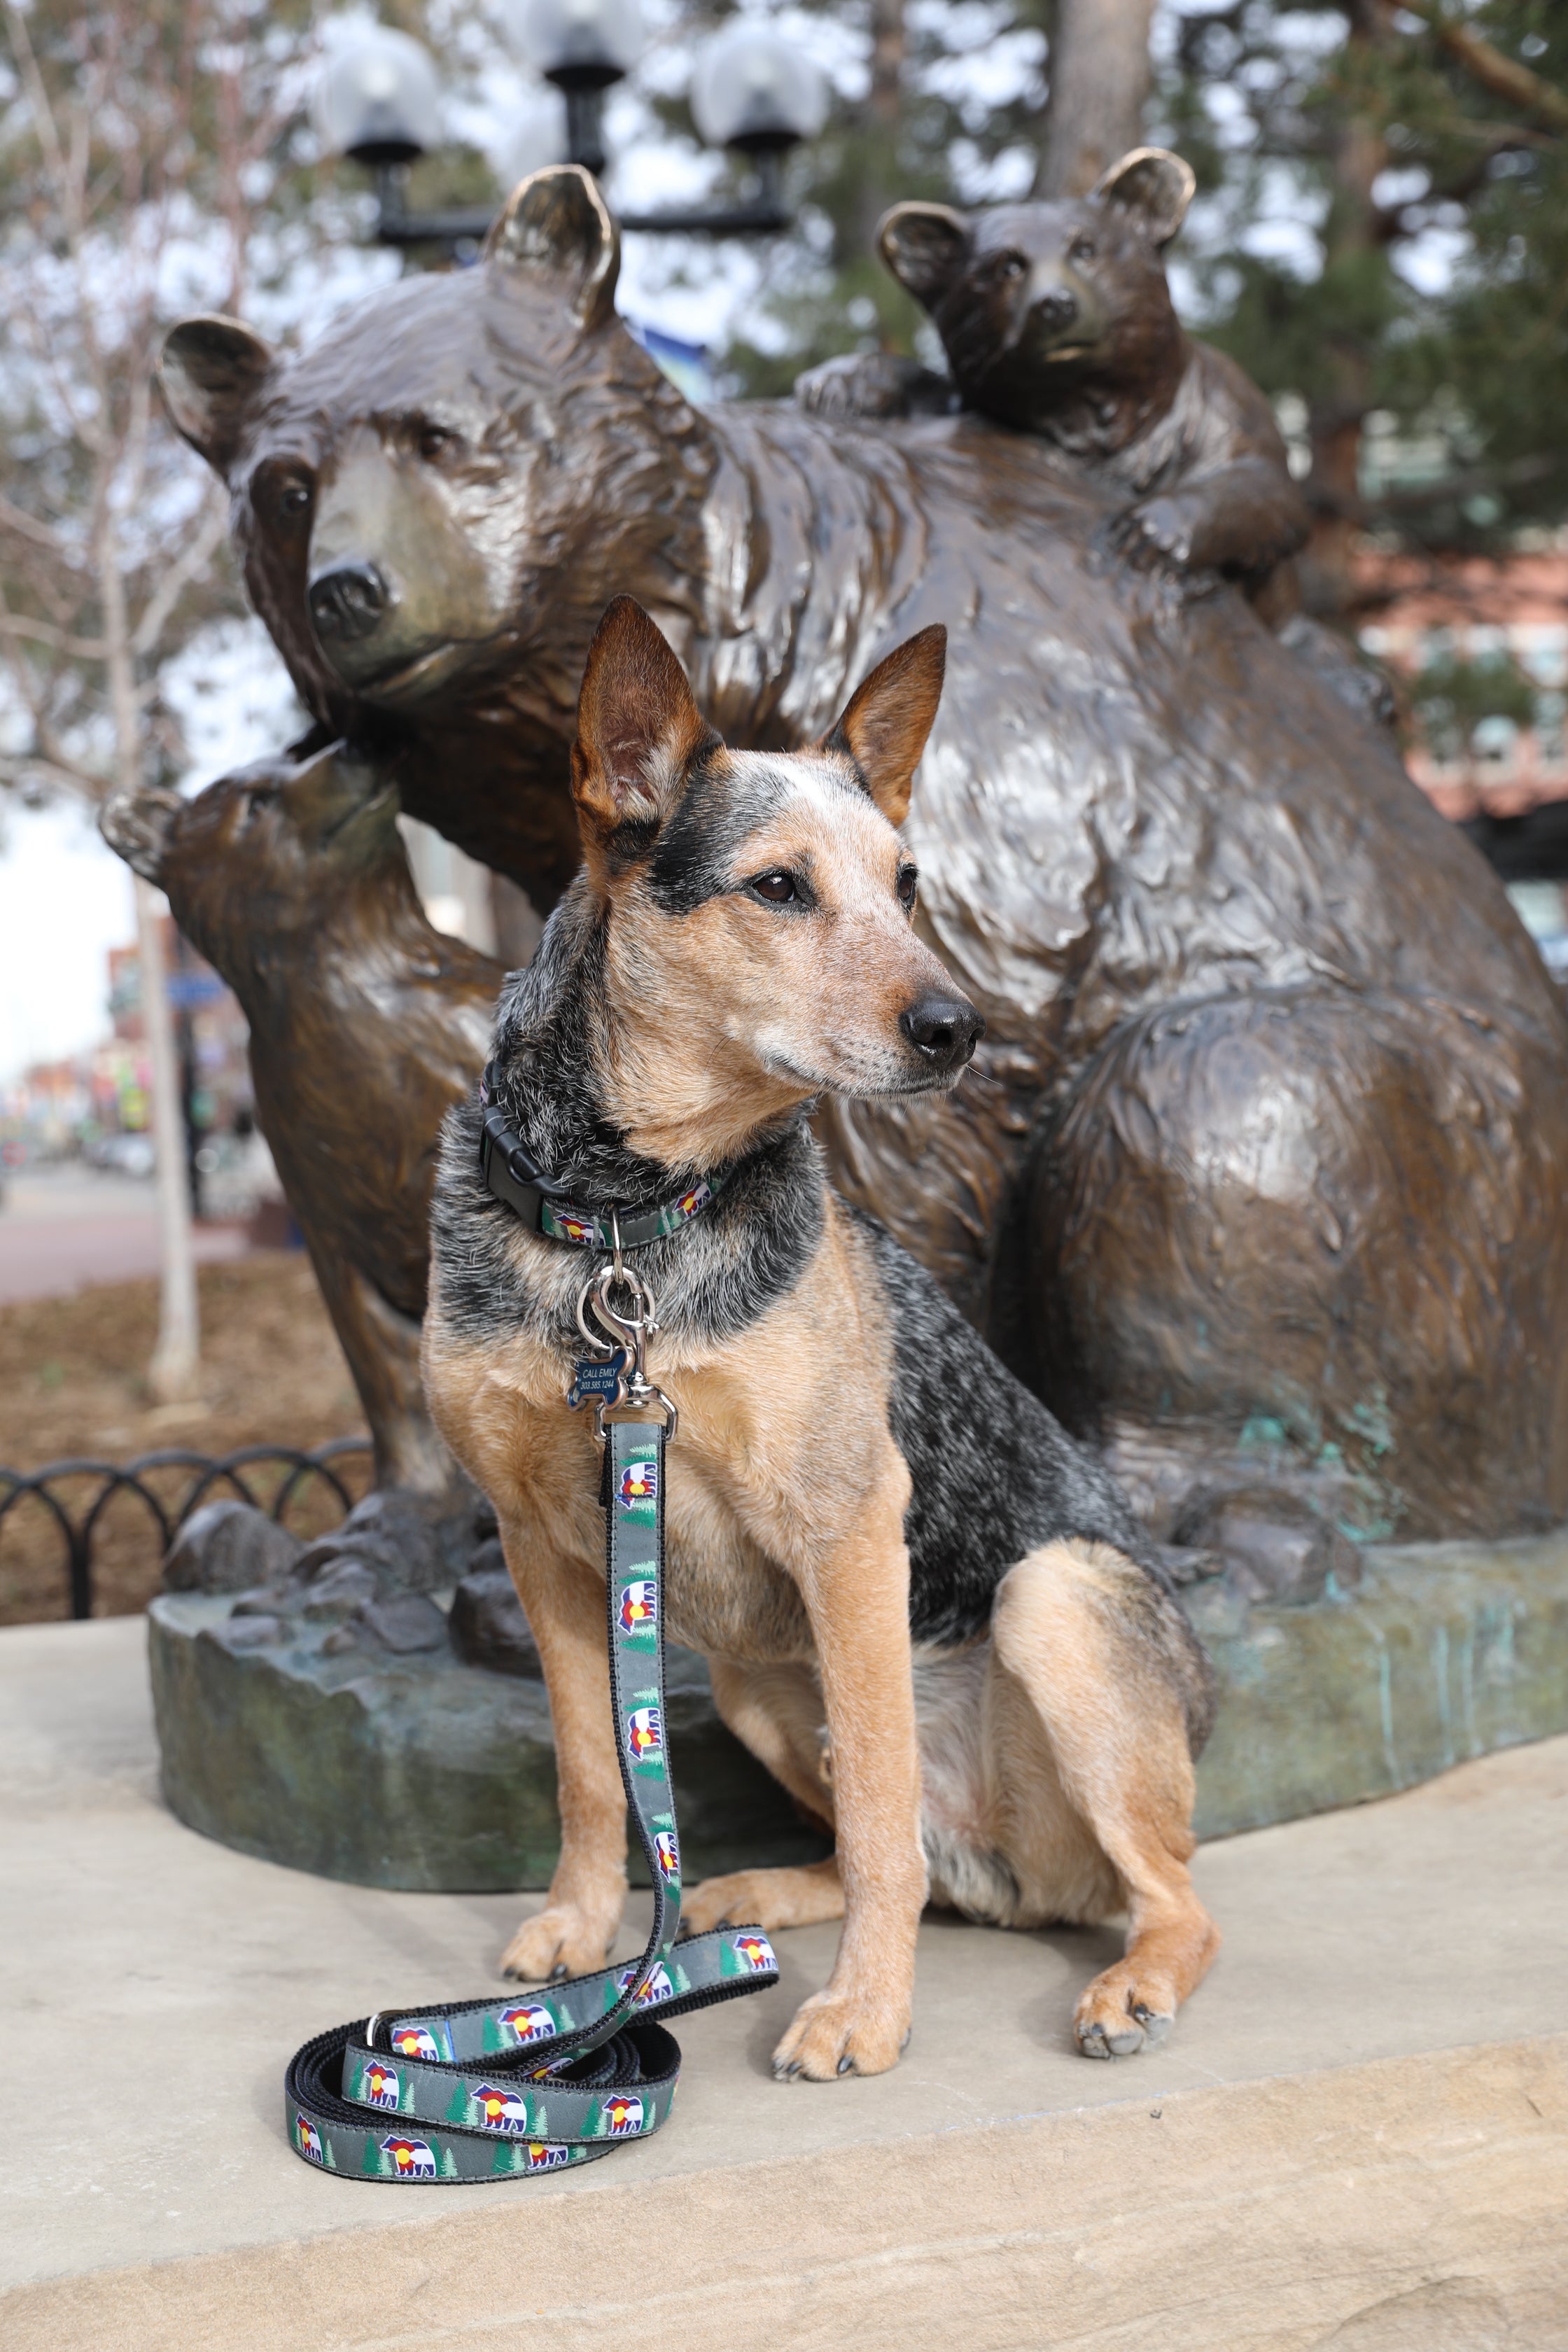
<point>78,1519</point>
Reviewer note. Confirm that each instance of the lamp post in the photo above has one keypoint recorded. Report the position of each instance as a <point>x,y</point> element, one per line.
<point>379,103</point>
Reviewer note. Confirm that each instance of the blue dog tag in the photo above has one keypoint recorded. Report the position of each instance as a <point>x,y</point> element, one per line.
<point>592,1377</point>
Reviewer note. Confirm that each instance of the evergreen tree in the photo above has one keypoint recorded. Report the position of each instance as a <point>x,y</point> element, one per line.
<point>1422,152</point>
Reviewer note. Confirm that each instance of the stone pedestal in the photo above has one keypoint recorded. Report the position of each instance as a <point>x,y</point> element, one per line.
<point>416,1770</point>
<point>419,1771</point>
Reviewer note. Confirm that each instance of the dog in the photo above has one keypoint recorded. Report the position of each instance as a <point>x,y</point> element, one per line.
<point>924,1609</point>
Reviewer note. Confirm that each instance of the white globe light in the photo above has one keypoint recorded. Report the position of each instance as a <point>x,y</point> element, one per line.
<point>536,136</point>
<point>754,89</point>
<point>589,42</point>
<point>378,100</point>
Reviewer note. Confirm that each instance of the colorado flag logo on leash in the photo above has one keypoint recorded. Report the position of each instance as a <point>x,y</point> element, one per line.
<point>639,1611</point>
<point>529,2021</point>
<point>622,2114</point>
<point>500,2110</point>
<point>656,1988</point>
<point>415,2041</point>
<point>636,1490</point>
<point>412,2160</point>
<point>379,2085</point>
<point>645,1737</point>
<point>309,2139</point>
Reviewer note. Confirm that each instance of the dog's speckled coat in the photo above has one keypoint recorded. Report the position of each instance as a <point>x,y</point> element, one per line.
<point>921,1603</point>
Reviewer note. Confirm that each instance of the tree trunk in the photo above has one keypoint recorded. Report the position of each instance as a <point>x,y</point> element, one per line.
<point>174,1374</point>
<point>1098,87</point>
<point>1351,247</point>
<point>879,146</point>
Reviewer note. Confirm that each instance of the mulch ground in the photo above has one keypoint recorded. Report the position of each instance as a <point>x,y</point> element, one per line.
<point>72,1382</point>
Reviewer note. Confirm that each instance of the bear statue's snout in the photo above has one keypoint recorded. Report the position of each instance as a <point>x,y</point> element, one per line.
<point>347,601</point>
<point>1054,306</point>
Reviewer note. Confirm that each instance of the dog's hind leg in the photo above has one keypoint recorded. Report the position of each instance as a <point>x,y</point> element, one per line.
<point>776,1712</point>
<point>1112,1679</point>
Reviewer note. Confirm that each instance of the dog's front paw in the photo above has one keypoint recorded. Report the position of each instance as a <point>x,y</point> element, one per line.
<point>1120,2013</point>
<point>842,2034</point>
<point>562,1941</point>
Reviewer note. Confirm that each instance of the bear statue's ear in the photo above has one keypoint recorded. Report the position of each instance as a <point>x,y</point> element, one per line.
<point>209,371</point>
<point>138,824</point>
<point>925,247</point>
<point>1153,183</point>
<point>557,221</point>
<point>886,720</point>
<point>639,729</point>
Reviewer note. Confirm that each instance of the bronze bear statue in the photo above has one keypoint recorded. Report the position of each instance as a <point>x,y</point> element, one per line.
<point>1257,1170</point>
<point>366,1024</point>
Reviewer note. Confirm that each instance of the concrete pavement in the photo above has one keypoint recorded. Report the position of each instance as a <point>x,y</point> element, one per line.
<point>1357,2136</point>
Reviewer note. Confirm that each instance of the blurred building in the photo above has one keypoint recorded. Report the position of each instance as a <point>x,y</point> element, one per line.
<point>1478,629</point>
<point>1479,649</point>
<point>91,1102</point>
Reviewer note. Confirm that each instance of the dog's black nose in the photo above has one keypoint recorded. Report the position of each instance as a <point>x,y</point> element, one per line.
<point>944,1029</point>
<point>348,600</point>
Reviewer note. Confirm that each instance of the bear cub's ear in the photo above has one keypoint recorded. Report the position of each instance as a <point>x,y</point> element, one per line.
<point>556,221</point>
<point>210,372</point>
<point>1154,184</point>
<point>925,247</point>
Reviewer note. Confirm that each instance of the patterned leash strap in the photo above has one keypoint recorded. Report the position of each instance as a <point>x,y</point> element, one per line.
<point>472,2090</point>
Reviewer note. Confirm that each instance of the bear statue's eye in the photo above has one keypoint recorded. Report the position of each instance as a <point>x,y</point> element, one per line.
<point>1081,249</point>
<point>433,441</point>
<point>777,886</point>
<point>907,885</point>
<point>294,497</point>
<point>1011,266</point>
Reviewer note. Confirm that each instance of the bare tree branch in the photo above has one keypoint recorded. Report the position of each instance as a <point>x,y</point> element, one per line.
<point>1504,76</point>
<point>190,565</point>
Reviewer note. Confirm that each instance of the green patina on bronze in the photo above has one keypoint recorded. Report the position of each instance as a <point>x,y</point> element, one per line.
<point>433,1775</point>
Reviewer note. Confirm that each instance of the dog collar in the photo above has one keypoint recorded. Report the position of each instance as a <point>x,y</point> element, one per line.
<point>541,1200</point>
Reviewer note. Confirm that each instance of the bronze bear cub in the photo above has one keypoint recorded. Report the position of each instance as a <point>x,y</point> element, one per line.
<point>1057,319</point>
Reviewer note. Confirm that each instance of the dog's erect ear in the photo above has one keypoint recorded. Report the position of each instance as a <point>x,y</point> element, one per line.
<point>138,826</point>
<point>555,223</point>
<point>889,717</point>
<point>210,372</point>
<point>639,729</point>
<point>925,247</point>
<point>1154,184</point>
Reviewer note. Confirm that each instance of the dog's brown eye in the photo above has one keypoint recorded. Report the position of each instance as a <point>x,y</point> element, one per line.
<point>777,887</point>
<point>907,885</point>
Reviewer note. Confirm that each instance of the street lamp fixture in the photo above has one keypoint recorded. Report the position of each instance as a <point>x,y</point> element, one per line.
<point>378,102</point>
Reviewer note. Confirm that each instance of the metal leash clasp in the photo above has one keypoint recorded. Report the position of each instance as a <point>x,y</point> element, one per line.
<point>629,1333</point>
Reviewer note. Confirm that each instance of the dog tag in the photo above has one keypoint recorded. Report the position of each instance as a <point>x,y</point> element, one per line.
<point>594,1377</point>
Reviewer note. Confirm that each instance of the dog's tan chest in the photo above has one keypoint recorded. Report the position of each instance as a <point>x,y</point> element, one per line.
<point>725,1596</point>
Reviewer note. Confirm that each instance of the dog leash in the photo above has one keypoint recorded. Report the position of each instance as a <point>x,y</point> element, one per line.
<point>477,2090</point>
